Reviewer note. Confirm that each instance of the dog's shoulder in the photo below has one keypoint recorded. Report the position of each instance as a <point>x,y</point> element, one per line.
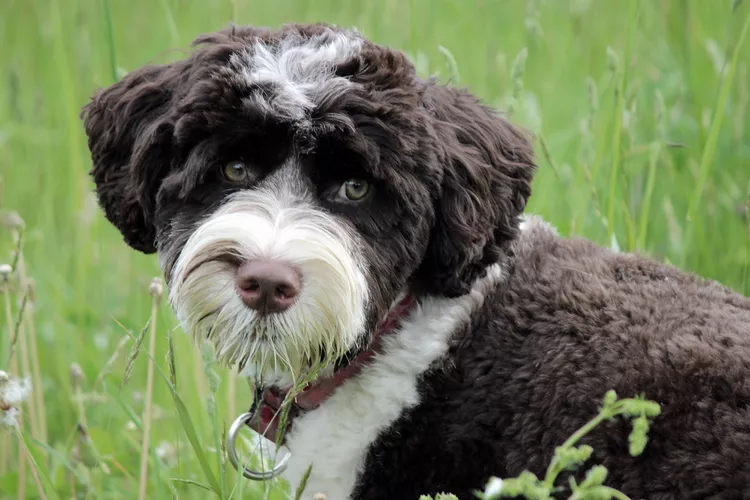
<point>567,321</point>
<point>581,278</point>
<point>574,319</point>
<point>542,253</point>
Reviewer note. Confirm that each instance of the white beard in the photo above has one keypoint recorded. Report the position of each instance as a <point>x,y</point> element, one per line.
<point>272,223</point>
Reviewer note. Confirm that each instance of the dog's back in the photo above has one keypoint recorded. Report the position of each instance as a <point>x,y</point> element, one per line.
<point>572,321</point>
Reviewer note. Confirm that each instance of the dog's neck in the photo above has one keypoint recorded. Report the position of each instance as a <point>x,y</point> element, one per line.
<point>268,401</point>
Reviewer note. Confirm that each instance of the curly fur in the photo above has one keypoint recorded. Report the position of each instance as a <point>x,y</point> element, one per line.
<point>455,155</point>
<point>460,398</point>
<point>572,321</point>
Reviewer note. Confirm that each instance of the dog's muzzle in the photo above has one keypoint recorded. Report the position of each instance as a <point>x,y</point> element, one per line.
<point>273,283</point>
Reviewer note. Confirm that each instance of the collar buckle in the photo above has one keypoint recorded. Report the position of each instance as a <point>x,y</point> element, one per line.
<point>239,423</point>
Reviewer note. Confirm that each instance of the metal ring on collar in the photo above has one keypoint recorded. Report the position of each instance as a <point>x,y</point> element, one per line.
<point>234,430</point>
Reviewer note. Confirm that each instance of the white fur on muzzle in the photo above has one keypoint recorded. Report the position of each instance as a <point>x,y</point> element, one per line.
<point>274,224</point>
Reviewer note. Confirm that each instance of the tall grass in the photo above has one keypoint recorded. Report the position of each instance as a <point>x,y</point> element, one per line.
<point>640,107</point>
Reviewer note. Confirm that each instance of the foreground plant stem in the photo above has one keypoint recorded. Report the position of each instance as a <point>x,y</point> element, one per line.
<point>555,469</point>
<point>156,292</point>
<point>4,438</point>
<point>37,408</point>
<point>32,466</point>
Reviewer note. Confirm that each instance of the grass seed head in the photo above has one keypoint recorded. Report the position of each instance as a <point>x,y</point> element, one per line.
<point>31,290</point>
<point>156,290</point>
<point>13,391</point>
<point>12,220</point>
<point>613,60</point>
<point>77,376</point>
<point>5,272</point>
<point>134,354</point>
<point>167,453</point>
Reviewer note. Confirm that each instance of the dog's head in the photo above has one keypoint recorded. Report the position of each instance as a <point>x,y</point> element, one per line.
<point>296,182</point>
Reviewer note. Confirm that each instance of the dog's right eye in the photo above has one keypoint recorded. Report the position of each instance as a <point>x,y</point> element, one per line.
<point>236,171</point>
<point>354,189</point>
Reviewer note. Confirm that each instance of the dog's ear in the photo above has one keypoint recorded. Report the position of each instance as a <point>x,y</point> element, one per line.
<point>129,135</point>
<point>488,168</point>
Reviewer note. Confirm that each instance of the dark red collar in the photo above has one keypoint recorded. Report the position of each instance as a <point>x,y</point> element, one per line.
<point>268,401</point>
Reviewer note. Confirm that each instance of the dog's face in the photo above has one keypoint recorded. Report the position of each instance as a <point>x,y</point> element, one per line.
<point>295,183</point>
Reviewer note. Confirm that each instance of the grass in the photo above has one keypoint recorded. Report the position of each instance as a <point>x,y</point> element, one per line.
<point>641,110</point>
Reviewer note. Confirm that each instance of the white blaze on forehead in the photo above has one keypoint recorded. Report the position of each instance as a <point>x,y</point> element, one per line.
<point>296,73</point>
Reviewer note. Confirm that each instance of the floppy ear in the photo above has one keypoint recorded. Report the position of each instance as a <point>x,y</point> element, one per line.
<point>488,168</point>
<point>129,135</point>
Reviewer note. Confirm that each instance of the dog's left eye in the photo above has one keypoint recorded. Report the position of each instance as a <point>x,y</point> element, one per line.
<point>354,189</point>
<point>236,171</point>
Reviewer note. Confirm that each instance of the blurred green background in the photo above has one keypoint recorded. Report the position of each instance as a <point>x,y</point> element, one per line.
<point>639,107</point>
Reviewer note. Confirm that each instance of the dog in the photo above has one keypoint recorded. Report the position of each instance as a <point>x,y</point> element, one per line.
<point>319,210</point>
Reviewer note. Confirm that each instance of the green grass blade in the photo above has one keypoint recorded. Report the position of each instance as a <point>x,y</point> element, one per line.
<point>617,134</point>
<point>192,483</point>
<point>189,428</point>
<point>187,425</point>
<point>455,76</point>
<point>171,24</point>
<point>653,161</point>
<point>43,476</point>
<point>713,136</point>
<point>303,484</point>
<point>110,39</point>
<point>62,459</point>
<point>136,419</point>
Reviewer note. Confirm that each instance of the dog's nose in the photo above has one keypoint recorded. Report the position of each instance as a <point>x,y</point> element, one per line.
<point>267,286</point>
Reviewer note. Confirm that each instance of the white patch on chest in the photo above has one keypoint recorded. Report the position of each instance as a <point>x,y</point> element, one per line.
<point>335,437</point>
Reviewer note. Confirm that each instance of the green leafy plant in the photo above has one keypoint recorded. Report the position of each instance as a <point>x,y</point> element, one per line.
<point>569,456</point>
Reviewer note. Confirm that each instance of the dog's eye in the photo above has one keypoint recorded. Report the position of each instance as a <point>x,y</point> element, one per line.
<point>236,171</point>
<point>354,189</point>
